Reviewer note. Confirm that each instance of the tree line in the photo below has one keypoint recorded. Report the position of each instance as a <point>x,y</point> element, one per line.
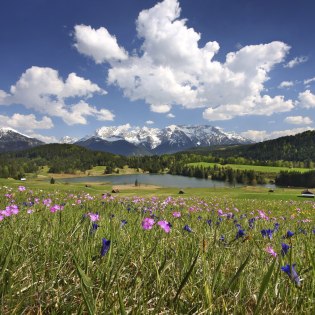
<point>296,179</point>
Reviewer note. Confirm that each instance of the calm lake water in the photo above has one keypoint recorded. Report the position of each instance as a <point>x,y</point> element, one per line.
<point>165,180</point>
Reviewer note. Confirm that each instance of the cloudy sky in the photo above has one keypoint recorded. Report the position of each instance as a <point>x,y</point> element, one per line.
<point>70,67</point>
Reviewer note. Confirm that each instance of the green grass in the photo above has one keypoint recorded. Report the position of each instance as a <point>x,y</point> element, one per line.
<point>256,168</point>
<point>50,263</point>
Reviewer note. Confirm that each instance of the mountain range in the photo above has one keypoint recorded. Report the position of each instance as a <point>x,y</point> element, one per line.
<point>127,140</point>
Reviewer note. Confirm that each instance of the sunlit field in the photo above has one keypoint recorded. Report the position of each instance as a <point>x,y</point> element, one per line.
<point>83,252</point>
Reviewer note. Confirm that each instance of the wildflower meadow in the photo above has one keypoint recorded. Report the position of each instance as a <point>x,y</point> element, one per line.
<point>78,253</point>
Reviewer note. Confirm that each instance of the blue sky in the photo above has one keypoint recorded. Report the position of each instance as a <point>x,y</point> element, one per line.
<point>70,67</point>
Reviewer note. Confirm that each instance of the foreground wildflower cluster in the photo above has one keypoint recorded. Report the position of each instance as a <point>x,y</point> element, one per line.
<point>210,238</point>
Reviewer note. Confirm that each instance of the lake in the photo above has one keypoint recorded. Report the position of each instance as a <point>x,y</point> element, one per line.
<point>162,180</point>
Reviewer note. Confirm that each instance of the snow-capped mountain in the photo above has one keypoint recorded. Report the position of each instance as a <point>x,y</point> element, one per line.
<point>170,139</point>
<point>149,137</point>
<point>12,140</point>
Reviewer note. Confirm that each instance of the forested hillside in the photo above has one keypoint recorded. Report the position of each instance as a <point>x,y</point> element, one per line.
<point>61,158</point>
<point>298,148</point>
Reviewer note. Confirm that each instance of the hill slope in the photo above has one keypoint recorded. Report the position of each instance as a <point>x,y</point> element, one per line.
<point>300,147</point>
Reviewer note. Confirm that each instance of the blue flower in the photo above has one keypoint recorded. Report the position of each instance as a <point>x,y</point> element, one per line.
<point>123,223</point>
<point>209,222</point>
<point>240,233</point>
<point>284,248</point>
<point>105,246</point>
<point>187,228</point>
<point>251,222</point>
<point>267,233</point>
<point>94,227</point>
<point>277,225</point>
<point>291,272</point>
<point>289,234</point>
<point>302,231</point>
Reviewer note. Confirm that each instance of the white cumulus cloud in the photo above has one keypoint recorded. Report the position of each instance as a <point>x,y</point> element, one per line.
<point>26,123</point>
<point>172,68</point>
<point>47,139</point>
<point>42,90</point>
<point>160,108</point>
<point>98,44</point>
<point>149,122</point>
<point>307,99</point>
<point>298,120</point>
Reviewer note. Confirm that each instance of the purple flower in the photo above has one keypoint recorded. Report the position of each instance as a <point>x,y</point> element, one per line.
<point>147,223</point>
<point>165,226</point>
<point>94,216</point>
<point>187,228</point>
<point>271,251</point>
<point>284,249</point>
<point>56,208</point>
<point>267,233</point>
<point>291,272</point>
<point>176,214</point>
<point>105,246</point>
<point>22,188</point>
<point>209,222</point>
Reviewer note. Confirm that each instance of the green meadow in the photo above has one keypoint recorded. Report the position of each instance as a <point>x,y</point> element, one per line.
<point>71,249</point>
<point>256,168</point>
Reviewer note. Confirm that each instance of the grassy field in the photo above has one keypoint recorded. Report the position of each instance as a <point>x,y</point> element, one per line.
<point>66,249</point>
<point>256,168</point>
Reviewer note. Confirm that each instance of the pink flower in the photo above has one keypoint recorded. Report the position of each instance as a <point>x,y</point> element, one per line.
<point>94,216</point>
<point>147,223</point>
<point>29,211</point>
<point>22,188</point>
<point>47,202</point>
<point>263,215</point>
<point>271,251</point>
<point>165,226</point>
<point>56,208</point>
<point>176,214</point>
<point>220,212</point>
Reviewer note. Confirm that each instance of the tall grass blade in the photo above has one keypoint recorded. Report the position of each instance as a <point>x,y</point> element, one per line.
<point>186,277</point>
<point>239,271</point>
<point>6,260</point>
<point>86,288</point>
<point>264,285</point>
<point>121,302</point>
